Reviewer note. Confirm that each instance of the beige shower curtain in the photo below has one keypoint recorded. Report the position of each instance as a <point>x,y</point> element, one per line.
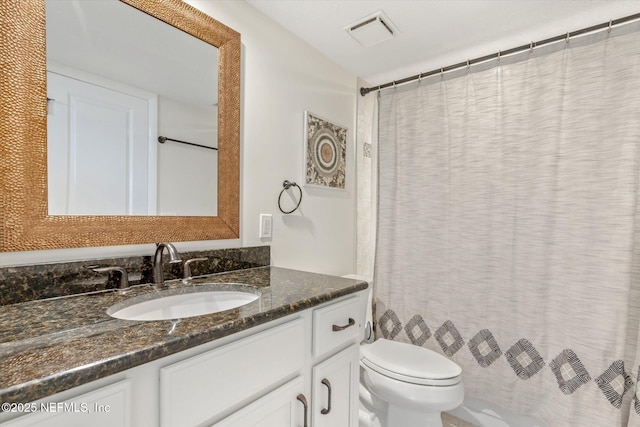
<point>508,227</point>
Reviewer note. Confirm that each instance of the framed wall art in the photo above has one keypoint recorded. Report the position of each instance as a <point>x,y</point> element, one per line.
<point>325,152</point>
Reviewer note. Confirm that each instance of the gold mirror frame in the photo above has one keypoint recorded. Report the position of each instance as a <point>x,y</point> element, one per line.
<point>25,224</point>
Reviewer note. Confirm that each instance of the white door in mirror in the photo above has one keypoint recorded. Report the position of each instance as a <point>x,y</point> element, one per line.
<point>99,150</point>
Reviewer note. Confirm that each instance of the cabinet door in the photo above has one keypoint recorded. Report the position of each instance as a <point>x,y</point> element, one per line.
<point>279,408</point>
<point>106,407</point>
<point>335,390</point>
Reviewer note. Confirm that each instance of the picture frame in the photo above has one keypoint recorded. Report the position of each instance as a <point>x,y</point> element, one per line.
<point>324,153</point>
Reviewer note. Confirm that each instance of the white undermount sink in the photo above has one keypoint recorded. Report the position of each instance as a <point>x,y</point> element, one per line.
<point>177,304</point>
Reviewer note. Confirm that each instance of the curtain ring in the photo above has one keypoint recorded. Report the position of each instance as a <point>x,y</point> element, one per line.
<point>568,37</point>
<point>610,23</point>
<point>499,55</point>
<point>442,72</point>
<point>287,185</point>
<point>468,64</point>
<point>531,48</point>
<point>419,78</point>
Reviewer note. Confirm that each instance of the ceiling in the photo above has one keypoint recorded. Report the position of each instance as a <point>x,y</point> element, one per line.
<point>434,33</point>
<point>144,52</point>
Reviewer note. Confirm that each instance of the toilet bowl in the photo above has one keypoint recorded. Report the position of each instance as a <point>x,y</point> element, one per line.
<point>403,385</point>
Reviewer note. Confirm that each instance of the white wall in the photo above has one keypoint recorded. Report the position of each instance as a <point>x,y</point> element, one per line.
<point>282,77</point>
<point>187,175</point>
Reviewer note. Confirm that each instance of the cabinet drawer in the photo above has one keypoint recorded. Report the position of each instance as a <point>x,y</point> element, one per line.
<point>211,384</point>
<point>336,325</point>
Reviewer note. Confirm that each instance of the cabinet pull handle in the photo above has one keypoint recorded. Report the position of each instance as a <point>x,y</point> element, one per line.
<point>328,408</point>
<point>337,328</point>
<point>303,400</point>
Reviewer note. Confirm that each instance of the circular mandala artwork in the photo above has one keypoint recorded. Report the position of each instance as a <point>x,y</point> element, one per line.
<point>324,152</point>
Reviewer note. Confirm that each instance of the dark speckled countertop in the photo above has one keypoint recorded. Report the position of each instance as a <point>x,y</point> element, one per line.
<point>51,345</point>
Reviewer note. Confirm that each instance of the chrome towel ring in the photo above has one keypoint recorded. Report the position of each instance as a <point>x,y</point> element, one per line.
<point>287,185</point>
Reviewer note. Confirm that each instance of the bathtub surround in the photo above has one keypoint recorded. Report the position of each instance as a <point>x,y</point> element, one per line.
<point>509,225</point>
<point>32,282</point>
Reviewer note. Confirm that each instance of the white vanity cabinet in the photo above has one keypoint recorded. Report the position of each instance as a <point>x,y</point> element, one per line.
<point>286,372</point>
<point>332,367</point>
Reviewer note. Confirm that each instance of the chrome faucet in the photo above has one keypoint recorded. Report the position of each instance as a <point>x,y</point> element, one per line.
<point>158,272</point>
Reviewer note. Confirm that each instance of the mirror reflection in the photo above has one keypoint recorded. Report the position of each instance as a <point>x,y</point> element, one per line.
<point>117,80</point>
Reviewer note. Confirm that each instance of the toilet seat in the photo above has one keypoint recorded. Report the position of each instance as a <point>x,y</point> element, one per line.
<point>409,363</point>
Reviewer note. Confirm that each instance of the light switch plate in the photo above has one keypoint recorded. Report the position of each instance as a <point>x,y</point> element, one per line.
<point>266,226</point>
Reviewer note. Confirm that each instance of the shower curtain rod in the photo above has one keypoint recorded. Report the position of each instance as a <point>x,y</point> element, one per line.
<point>530,46</point>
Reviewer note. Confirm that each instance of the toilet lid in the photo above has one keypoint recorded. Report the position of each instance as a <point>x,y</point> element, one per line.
<point>410,363</point>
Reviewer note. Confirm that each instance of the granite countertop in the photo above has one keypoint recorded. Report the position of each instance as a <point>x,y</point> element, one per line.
<point>48,346</point>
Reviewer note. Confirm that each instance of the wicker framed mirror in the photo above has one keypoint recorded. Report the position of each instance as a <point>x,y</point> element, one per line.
<point>24,220</point>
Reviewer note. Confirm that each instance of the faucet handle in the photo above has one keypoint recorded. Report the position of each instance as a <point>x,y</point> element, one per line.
<point>187,267</point>
<point>124,277</point>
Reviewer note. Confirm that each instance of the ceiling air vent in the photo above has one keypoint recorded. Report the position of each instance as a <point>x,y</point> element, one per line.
<point>372,29</point>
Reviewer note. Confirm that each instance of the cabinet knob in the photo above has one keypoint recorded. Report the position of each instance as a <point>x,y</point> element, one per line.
<point>337,328</point>
<point>303,400</point>
<point>326,410</point>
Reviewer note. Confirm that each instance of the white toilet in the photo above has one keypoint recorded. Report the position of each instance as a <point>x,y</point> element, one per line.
<point>409,386</point>
<point>403,385</point>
